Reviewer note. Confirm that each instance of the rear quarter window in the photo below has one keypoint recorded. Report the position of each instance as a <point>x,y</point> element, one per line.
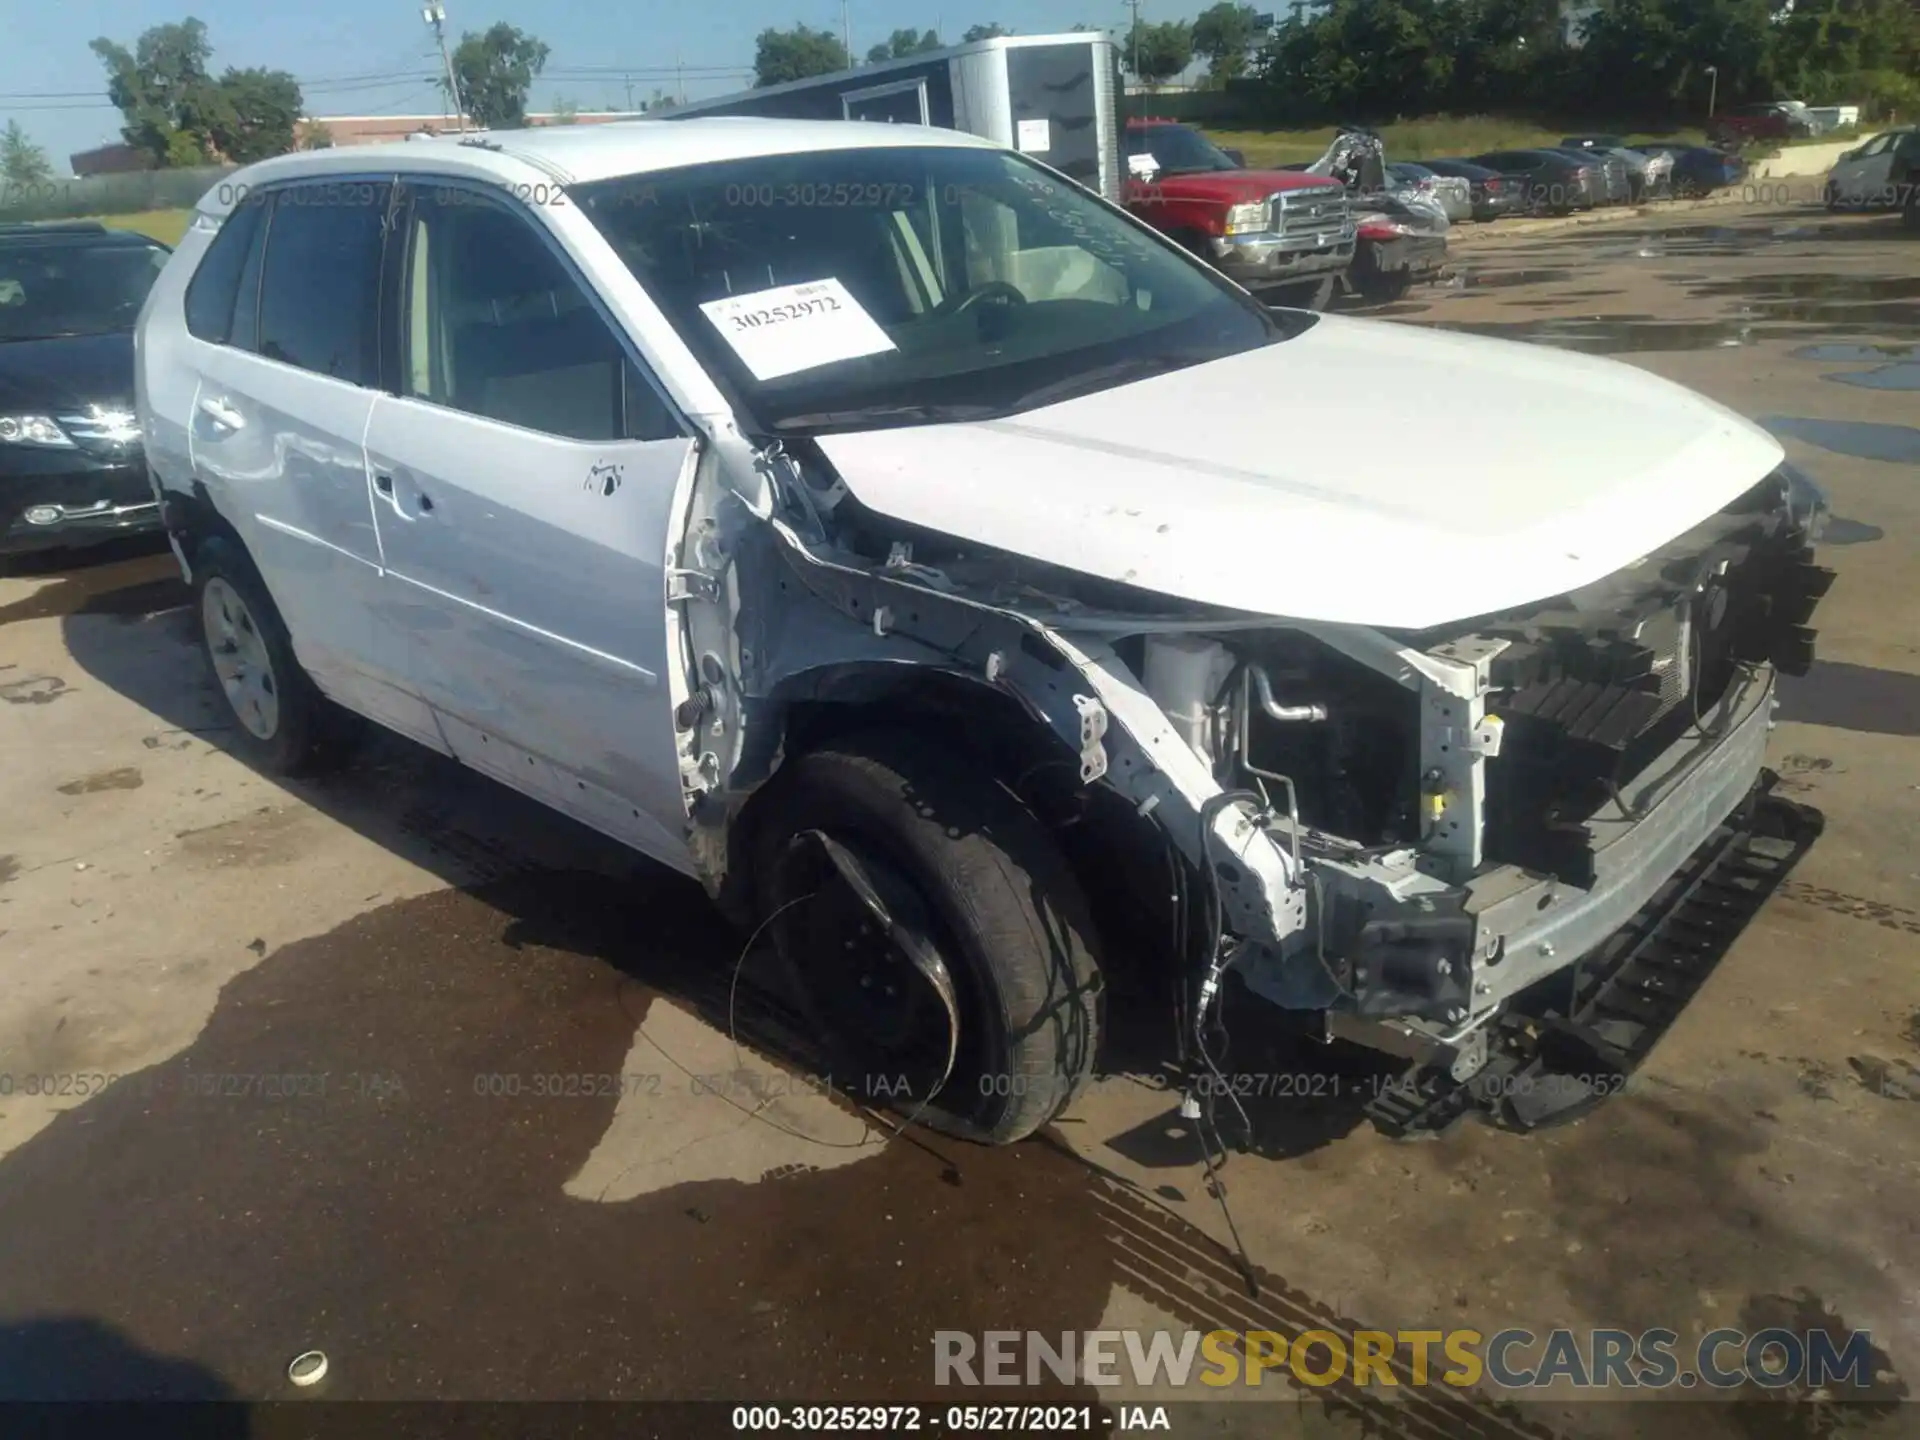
<point>320,285</point>
<point>215,284</point>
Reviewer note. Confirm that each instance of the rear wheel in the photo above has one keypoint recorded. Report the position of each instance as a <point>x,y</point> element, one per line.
<point>979,1009</point>
<point>282,723</point>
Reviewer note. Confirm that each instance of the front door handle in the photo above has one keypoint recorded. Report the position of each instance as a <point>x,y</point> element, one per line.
<point>222,412</point>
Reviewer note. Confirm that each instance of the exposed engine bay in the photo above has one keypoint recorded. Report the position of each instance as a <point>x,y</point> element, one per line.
<point>1396,832</point>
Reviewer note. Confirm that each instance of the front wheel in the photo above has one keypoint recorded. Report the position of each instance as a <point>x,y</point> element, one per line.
<point>1384,287</point>
<point>282,723</point>
<point>979,1009</point>
<point>1307,295</point>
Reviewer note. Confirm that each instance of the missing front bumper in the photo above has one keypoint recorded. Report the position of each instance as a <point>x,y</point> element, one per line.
<point>1573,1042</point>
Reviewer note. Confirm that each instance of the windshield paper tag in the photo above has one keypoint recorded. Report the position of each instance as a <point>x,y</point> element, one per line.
<point>1035,137</point>
<point>796,327</point>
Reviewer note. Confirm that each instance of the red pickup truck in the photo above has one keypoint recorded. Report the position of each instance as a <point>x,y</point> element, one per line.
<point>1754,124</point>
<point>1284,235</point>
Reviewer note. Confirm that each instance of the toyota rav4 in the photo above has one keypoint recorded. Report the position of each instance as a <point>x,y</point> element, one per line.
<point>972,587</point>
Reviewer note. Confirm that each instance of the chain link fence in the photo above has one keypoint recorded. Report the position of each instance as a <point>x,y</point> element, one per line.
<point>124,194</point>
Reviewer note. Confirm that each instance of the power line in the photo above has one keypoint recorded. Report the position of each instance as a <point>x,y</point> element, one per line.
<point>317,83</point>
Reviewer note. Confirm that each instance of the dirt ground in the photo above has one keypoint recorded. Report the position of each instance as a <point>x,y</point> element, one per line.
<point>408,1071</point>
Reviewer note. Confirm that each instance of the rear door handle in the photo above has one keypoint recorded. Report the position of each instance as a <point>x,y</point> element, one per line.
<point>383,487</point>
<point>222,412</point>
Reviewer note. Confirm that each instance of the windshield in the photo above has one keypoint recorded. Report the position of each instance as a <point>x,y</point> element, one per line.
<point>912,285</point>
<point>1178,150</point>
<point>78,289</point>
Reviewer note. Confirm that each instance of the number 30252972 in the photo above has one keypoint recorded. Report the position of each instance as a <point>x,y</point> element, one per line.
<point>778,314</point>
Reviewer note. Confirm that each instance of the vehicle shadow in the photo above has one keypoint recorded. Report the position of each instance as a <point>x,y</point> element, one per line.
<point>66,1358</point>
<point>71,564</point>
<point>139,640</point>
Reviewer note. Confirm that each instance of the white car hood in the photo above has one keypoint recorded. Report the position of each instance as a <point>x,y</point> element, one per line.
<point>1363,472</point>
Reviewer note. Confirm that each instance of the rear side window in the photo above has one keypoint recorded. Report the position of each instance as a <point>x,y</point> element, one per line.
<point>320,284</point>
<point>211,292</point>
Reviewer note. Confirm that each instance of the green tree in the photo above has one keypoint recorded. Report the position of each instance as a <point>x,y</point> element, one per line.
<point>315,136</point>
<point>22,163</point>
<point>566,112</point>
<point>1650,56</point>
<point>903,43</point>
<point>993,30</point>
<point>174,110</point>
<point>252,114</point>
<point>1850,50</point>
<point>495,69</point>
<point>1155,53</point>
<point>796,54</point>
<point>160,88</point>
<point>1225,35</point>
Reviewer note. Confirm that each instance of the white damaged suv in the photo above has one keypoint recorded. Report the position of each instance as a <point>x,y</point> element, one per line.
<point>972,586</point>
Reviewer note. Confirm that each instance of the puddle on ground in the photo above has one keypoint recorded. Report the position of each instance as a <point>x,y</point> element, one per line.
<point>1905,376</point>
<point>1853,697</point>
<point>1894,444</point>
<point>1850,532</point>
<point>1837,353</point>
<point>1859,289</point>
<point>1622,334</point>
<point>1469,279</point>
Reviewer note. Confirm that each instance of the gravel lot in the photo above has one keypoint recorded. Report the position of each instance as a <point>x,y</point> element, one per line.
<point>349,1021</point>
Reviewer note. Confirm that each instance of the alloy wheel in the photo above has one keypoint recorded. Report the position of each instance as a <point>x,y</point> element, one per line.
<point>241,661</point>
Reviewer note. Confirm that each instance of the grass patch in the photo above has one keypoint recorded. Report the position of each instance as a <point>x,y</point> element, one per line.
<point>166,226</point>
<point>1435,136</point>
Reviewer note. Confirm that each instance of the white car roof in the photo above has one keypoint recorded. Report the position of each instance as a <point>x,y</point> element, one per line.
<point>584,153</point>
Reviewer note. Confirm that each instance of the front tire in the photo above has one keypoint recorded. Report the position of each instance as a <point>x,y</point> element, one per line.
<point>281,722</point>
<point>1005,914</point>
<point>1384,287</point>
<point>1307,295</point>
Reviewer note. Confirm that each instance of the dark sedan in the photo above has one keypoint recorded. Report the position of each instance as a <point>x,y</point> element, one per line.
<point>1493,194</point>
<point>1698,169</point>
<point>1615,182</point>
<point>71,467</point>
<point>1551,180</point>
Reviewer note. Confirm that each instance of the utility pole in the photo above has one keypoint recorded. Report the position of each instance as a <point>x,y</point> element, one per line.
<point>435,14</point>
<point>629,80</point>
<point>1133,35</point>
<point>1713,88</point>
<point>846,32</point>
<point>680,77</point>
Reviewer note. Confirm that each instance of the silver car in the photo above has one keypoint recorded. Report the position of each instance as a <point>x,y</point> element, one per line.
<point>1452,193</point>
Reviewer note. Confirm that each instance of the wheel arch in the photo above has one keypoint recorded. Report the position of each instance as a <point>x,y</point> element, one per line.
<point>1119,857</point>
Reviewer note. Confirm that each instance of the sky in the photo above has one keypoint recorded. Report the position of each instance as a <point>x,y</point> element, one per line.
<point>364,57</point>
